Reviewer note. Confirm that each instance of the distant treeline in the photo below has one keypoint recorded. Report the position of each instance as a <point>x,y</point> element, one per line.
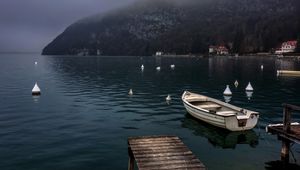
<point>244,26</point>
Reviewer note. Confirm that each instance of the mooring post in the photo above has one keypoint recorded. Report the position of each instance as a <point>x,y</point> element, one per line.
<point>131,159</point>
<point>286,119</point>
<point>285,149</point>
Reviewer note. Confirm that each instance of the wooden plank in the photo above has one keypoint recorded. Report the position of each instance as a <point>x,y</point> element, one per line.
<point>131,160</point>
<point>287,132</point>
<point>166,158</point>
<point>157,140</point>
<point>168,162</point>
<point>286,119</point>
<point>173,165</point>
<point>132,143</point>
<point>188,153</point>
<point>293,135</point>
<point>162,152</point>
<point>157,148</point>
<point>207,106</point>
<point>293,107</point>
<point>140,138</point>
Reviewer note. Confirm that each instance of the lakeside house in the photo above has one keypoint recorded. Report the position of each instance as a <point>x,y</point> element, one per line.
<point>286,47</point>
<point>98,52</point>
<point>159,53</point>
<point>219,50</point>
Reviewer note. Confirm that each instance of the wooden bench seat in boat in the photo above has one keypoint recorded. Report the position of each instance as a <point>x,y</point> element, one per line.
<point>195,98</point>
<point>242,117</point>
<point>226,113</point>
<point>209,106</point>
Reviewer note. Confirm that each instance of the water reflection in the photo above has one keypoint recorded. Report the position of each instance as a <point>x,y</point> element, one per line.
<point>283,64</point>
<point>227,99</point>
<point>278,165</point>
<point>249,94</point>
<point>36,99</point>
<point>219,137</point>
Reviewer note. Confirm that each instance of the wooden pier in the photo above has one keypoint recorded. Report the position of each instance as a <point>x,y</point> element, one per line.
<point>287,132</point>
<point>288,73</point>
<point>161,152</point>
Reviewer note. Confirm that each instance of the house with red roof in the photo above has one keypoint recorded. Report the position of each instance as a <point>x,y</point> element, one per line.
<point>287,47</point>
<point>220,50</point>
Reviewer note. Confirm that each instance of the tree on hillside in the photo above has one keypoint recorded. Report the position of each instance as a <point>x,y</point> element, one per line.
<point>238,39</point>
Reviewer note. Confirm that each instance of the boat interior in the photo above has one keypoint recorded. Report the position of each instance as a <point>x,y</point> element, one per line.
<point>203,102</point>
<point>215,108</point>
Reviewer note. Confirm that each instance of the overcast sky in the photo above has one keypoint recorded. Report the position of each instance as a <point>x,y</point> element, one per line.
<point>29,25</point>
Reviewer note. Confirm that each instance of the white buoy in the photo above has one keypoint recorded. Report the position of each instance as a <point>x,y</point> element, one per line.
<point>142,67</point>
<point>36,91</point>
<point>249,94</point>
<point>262,67</point>
<point>158,68</point>
<point>130,92</point>
<point>227,99</point>
<point>168,98</point>
<point>236,83</point>
<point>172,66</point>
<point>35,63</point>
<point>249,87</point>
<point>227,91</point>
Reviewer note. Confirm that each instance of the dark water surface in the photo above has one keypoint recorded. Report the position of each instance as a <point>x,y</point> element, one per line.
<point>84,115</point>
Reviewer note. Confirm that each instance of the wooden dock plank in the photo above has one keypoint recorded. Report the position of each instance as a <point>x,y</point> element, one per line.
<point>167,141</point>
<point>158,144</point>
<point>294,133</point>
<point>188,153</point>
<point>162,152</point>
<point>287,132</point>
<point>156,159</point>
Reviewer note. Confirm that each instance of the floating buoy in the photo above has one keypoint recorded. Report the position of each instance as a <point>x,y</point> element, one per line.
<point>158,68</point>
<point>227,91</point>
<point>142,67</point>
<point>249,87</point>
<point>227,99</point>
<point>36,91</point>
<point>172,66</point>
<point>35,63</point>
<point>168,98</point>
<point>249,94</point>
<point>236,83</point>
<point>130,92</point>
<point>262,67</point>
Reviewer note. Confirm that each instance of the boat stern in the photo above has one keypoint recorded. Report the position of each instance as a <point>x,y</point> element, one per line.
<point>242,122</point>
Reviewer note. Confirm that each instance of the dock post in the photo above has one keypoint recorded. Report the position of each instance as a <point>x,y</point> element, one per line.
<point>286,119</point>
<point>131,159</point>
<point>285,149</point>
<point>287,132</point>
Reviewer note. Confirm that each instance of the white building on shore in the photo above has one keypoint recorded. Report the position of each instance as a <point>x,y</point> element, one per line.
<point>287,47</point>
<point>159,53</point>
<point>219,50</point>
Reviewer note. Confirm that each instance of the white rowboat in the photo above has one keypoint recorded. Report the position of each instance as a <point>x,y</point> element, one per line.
<point>218,113</point>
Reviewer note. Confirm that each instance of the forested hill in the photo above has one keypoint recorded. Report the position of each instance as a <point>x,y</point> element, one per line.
<point>172,26</point>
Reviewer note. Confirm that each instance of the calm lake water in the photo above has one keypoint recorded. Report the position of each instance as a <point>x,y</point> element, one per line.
<point>84,115</point>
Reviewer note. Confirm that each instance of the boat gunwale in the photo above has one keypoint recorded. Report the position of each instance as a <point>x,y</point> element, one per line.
<point>201,115</point>
<point>218,102</point>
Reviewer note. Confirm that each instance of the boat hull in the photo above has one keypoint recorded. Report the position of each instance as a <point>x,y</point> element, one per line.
<point>232,123</point>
